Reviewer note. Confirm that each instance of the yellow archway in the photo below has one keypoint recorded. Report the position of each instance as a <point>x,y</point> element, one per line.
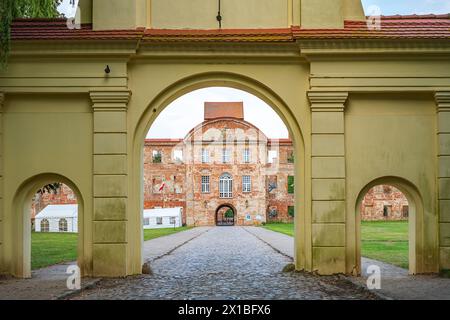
<point>236,81</point>
<point>416,217</point>
<point>21,262</point>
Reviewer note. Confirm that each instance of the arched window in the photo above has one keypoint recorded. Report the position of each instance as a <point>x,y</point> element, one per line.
<point>62,225</point>
<point>45,225</point>
<point>226,186</point>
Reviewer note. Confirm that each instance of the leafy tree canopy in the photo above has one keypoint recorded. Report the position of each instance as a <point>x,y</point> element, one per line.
<point>11,9</point>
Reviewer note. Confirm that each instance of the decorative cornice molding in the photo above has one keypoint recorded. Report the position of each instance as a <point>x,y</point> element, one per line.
<point>110,100</point>
<point>326,101</point>
<point>443,100</point>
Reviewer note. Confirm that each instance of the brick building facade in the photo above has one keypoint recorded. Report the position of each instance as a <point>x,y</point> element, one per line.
<point>223,162</point>
<point>63,195</point>
<point>384,202</point>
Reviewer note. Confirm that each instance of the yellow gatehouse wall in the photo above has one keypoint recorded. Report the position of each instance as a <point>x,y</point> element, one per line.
<point>360,113</point>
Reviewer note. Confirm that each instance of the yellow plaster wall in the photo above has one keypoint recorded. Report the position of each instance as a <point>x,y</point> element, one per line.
<point>393,135</point>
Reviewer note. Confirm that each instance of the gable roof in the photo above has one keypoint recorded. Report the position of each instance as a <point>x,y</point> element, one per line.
<point>58,212</point>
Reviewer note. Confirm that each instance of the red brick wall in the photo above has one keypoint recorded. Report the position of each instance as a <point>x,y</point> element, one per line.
<point>64,195</point>
<point>379,197</point>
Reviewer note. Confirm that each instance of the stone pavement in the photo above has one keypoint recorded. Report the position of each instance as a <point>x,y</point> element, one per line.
<point>45,284</point>
<point>227,263</point>
<point>395,281</point>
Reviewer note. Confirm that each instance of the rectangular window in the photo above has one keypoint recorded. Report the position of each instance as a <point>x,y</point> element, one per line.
<point>291,211</point>
<point>146,221</point>
<point>156,156</point>
<point>246,184</point>
<point>226,155</point>
<point>290,184</point>
<point>246,156</point>
<point>386,211</point>
<point>178,155</point>
<point>405,211</point>
<point>272,155</point>
<point>290,157</point>
<point>159,220</point>
<point>205,156</point>
<point>173,220</point>
<point>205,184</point>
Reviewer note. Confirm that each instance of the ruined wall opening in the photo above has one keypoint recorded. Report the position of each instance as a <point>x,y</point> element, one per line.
<point>388,213</point>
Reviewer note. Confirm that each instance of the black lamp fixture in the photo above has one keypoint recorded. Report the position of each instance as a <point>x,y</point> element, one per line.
<point>107,69</point>
<point>219,15</point>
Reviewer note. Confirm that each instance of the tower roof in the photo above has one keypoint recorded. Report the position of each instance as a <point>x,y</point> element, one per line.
<point>216,110</point>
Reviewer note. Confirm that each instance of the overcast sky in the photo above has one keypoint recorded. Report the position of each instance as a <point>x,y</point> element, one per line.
<point>186,112</point>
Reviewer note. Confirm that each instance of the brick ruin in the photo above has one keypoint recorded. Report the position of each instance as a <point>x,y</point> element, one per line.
<point>261,173</point>
<point>384,202</point>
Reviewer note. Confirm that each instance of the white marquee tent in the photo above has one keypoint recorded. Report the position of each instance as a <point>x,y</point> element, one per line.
<point>163,218</point>
<point>57,218</point>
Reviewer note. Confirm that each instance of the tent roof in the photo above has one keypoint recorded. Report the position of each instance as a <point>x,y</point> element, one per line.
<point>59,211</point>
<point>163,212</point>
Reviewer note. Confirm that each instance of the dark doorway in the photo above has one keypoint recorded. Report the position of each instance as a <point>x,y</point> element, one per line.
<point>225,216</point>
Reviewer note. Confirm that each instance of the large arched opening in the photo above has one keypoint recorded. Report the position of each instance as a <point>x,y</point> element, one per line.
<point>53,222</point>
<point>225,215</point>
<point>410,211</point>
<point>227,80</point>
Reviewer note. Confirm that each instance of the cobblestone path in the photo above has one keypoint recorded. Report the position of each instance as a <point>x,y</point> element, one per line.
<point>225,263</point>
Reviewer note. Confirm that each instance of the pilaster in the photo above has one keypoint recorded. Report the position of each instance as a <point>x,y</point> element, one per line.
<point>443,134</point>
<point>110,183</point>
<point>328,181</point>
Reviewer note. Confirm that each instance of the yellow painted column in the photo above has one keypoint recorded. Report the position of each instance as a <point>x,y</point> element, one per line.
<point>2,265</point>
<point>110,183</point>
<point>443,114</point>
<point>328,181</point>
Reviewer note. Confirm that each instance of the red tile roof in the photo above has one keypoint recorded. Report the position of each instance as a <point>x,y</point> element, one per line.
<point>392,27</point>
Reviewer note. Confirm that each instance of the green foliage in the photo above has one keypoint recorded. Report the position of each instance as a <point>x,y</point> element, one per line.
<point>52,248</point>
<point>150,234</point>
<point>11,9</point>
<point>157,158</point>
<point>291,158</point>
<point>290,184</point>
<point>50,188</point>
<point>229,214</point>
<point>291,211</point>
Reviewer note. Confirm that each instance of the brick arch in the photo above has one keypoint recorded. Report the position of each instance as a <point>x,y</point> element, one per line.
<point>236,81</point>
<point>20,264</point>
<point>416,217</point>
<point>226,205</point>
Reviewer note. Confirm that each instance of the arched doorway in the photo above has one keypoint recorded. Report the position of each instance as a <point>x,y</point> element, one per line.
<point>235,81</point>
<point>410,209</point>
<point>23,202</point>
<point>225,216</point>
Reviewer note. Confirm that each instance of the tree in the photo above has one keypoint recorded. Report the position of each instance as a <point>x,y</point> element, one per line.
<point>11,9</point>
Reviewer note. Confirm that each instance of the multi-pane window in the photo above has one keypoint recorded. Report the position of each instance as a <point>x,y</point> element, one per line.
<point>246,184</point>
<point>205,184</point>
<point>156,156</point>
<point>146,221</point>
<point>173,220</point>
<point>226,186</point>
<point>205,155</point>
<point>226,155</point>
<point>63,225</point>
<point>45,225</point>
<point>246,155</point>
<point>159,220</point>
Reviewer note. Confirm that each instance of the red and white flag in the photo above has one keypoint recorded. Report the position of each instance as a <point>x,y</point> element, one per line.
<point>163,185</point>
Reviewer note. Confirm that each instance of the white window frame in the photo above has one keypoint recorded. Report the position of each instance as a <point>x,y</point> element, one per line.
<point>205,155</point>
<point>206,184</point>
<point>64,224</point>
<point>159,221</point>
<point>178,155</point>
<point>226,155</point>
<point>246,184</point>
<point>226,186</point>
<point>246,155</point>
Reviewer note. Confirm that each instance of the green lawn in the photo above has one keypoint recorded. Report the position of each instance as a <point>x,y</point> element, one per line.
<point>150,234</point>
<point>384,241</point>
<point>52,248</point>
